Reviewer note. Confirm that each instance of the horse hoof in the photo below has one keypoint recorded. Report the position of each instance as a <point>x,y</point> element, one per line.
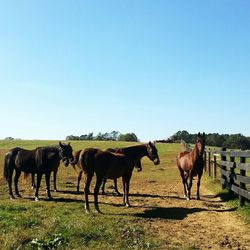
<point>49,198</point>
<point>127,205</point>
<point>36,199</point>
<point>55,190</point>
<point>19,196</point>
<point>198,198</point>
<point>188,199</point>
<point>12,197</point>
<point>98,211</point>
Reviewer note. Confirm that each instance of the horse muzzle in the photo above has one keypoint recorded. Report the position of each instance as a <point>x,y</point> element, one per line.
<point>156,161</point>
<point>65,162</point>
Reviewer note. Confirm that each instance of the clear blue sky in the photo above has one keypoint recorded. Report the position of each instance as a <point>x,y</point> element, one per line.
<point>148,67</point>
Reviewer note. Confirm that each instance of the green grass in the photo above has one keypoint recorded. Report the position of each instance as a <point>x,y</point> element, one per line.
<point>63,223</point>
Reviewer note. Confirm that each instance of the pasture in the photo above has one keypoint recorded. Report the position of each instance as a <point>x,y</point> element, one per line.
<point>160,218</point>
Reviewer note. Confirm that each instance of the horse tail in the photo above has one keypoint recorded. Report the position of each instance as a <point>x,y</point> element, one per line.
<point>25,176</point>
<point>6,165</point>
<point>9,162</point>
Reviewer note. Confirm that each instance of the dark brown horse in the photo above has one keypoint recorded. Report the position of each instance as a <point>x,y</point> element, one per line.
<point>119,151</point>
<point>191,164</point>
<point>112,150</point>
<point>42,160</point>
<point>112,166</point>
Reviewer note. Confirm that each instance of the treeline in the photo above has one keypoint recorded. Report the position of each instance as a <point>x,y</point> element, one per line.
<point>232,141</point>
<point>112,136</point>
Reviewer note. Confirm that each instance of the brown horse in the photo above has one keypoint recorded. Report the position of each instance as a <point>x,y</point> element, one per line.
<point>191,164</point>
<point>42,160</point>
<point>138,166</point>
<point>119,151</point>
<point>112,166</point>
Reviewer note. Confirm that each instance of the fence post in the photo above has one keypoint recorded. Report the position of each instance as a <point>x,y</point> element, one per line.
<point>231,174</point>
<point>209,162</point>
<point>242,185</point>
<point>223,158</point>
<point>215,166</point>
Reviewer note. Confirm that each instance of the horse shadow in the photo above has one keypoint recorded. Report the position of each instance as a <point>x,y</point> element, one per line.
<point>174,213</point>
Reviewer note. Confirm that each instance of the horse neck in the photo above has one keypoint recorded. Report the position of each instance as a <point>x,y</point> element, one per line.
<point>76,157</point>
<point>136,152</point>
<point>195,153</point>
<point>52,149</point>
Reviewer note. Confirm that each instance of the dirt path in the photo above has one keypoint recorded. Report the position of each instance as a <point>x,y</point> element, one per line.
<point>205,224</point>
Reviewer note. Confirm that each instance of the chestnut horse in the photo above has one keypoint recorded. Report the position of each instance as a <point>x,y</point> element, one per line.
<point>191,164</point>
<point>42,160</point>
<point>112,166</point>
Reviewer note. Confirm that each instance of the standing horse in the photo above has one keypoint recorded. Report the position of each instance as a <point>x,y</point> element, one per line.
<point>112,166</point>
<point>120,151</point>
<point>42,160</point>
<point>112,150</point>
<point>191,164</point>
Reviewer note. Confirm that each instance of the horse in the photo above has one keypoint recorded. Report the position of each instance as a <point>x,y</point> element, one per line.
<point>42,160</point>
<point>121,151</point>
<point>112,166</point>
<point>112,150</point>
<point>191,164</point>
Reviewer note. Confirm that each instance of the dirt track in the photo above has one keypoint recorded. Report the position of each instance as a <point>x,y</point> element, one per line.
<point>205,224</point>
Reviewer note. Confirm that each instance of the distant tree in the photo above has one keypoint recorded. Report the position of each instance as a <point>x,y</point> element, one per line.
<point>9,138</point>
<point>127,137</point>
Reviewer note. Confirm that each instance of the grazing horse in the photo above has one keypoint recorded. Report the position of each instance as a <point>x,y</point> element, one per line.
<point>42,160</point>
<point>112,166</point>
<point>120,151</point>
<point>191,164</point>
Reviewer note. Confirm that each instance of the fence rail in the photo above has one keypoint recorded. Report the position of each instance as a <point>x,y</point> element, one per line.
<point>231,169</point>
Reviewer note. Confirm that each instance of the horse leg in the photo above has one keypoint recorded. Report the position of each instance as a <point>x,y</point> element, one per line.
<point>78,181</point>
<point>198,187</point>
<point>54,179</point>
<point>86,190</point>
<point>103,185</point>
<point>16,178</point>
<point>47,178</point>
<point>33,184</point>
<point>184,182</point>
<point>189,186</point>
<point>38,183</point>
<point>116,189</point>
<point>126,180</point>
<point>96,191</point>
<point>9,179</point>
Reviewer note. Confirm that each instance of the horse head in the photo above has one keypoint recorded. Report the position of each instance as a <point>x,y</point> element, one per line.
<point>65,153</point>
<point>200,142</point>
<point>152,153</point>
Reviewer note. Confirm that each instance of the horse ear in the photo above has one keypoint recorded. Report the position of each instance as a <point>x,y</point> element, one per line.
<point>69,144</point>
<point>60,144</point>
<point>203,134</point>
<point>199,134</point>
<point>150,143</point>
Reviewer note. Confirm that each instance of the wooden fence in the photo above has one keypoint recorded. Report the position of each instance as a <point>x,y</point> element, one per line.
<point>232,169</point>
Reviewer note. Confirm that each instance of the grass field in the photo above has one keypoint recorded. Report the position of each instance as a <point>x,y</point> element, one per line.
<point>158,219</point>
